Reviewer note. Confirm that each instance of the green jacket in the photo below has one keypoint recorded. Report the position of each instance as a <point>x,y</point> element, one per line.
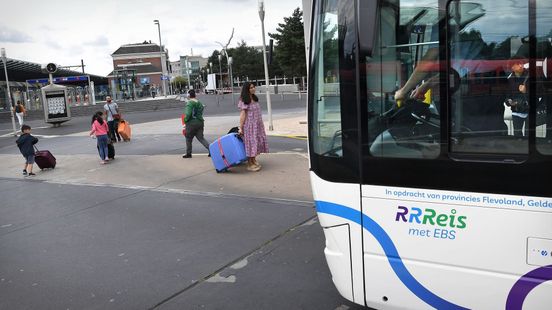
<point>194,111</point>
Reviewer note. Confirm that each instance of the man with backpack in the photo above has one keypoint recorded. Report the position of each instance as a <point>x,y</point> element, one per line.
<point>113,118</point>
<point>194,123</point>
<point>20,111</point>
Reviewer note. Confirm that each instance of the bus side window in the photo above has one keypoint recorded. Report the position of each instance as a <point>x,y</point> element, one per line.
<point>544,79</point>
<point>406,126</point>
<point>326,133</point>
<point>489,111</point>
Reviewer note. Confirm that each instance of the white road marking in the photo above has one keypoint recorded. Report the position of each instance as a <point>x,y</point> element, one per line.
<point>239,265</point>
<point>175,191</point>
<point>38,136</point>
<point>311,222</point>
<point>220,279</point>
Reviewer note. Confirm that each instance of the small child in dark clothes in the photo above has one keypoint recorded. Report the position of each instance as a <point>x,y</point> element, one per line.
<point>25,144</point>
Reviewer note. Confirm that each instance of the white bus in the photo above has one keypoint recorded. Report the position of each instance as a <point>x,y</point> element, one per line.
<point>431,150</point>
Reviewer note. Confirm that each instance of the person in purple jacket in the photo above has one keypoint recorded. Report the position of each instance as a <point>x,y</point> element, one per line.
<point>25,142</point>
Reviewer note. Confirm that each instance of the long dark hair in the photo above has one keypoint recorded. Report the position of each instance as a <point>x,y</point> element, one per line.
<point>245,96</point>
<point>97,117</point>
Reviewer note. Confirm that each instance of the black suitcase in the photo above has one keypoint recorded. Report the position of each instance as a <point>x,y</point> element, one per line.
<point>45,159</point>
<point>110,150</point>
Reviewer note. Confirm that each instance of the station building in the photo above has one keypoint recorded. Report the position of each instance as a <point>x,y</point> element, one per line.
<point>139,70</point>
<point>26,78</point>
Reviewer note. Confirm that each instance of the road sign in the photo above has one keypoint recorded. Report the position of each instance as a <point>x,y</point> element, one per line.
<point>60,79</point>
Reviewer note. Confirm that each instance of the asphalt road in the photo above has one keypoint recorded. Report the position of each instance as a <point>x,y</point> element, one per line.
<point>214,105</point>
<point>97,246</point>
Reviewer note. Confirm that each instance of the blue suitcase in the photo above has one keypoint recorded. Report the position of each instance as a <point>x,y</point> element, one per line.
<point>227,151</point>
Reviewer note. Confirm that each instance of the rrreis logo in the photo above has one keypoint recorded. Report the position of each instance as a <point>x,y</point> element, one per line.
<point>446,223</point>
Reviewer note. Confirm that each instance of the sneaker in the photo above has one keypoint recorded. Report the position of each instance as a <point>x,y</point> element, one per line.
<point>187,156</point>
<point>253,168</point>
<point>24,172</point>
<point>31,174</point>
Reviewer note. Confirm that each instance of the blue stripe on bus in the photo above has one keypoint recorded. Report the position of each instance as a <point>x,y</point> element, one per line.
<point>390,251</point>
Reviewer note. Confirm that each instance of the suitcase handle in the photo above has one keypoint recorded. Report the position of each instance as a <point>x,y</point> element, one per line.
<point>35,148</point>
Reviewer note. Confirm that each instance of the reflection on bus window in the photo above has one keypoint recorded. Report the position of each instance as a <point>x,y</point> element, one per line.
<point>544,82</point>
<point>326,134</point>
<point>490,109</point>
<point>402,77</point>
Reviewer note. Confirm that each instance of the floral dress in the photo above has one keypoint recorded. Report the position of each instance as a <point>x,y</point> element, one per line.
<point>254,135</point>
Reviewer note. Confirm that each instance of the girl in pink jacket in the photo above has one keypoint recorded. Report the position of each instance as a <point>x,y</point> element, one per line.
<point>100,130</point>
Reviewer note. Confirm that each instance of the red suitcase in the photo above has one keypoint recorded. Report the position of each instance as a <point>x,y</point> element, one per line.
<point>45,159</point>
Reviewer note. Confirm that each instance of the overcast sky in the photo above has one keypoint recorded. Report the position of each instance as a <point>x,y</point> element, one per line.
<point>65,32</point>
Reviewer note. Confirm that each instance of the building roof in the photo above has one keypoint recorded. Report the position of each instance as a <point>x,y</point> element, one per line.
<point>21,71</point>
<point>137,69</point>
<point>138,48</point>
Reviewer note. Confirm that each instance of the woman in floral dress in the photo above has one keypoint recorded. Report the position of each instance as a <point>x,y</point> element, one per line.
<point>251,126</point>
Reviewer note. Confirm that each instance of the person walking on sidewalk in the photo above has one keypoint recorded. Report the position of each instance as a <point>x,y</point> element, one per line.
<point>99,130</point>
<point>113,117</point>
<point>25,142</point>
<point>20,112</point>
<point>194,123</point>
<point>251,126</point>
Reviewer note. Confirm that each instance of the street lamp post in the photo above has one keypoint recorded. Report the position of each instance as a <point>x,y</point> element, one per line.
<point>188,72</point>
<point>268,103</point>
<point>201,79</point>
<point>231,78</point>
<point>220,72</point>
<point>12,108</point>
<point>163,71</point>
<point>211,71</point>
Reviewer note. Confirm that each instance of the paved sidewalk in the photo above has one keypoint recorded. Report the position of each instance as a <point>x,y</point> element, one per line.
<point>284,175</point>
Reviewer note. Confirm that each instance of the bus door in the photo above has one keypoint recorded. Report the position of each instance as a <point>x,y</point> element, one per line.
<point>333,141</point>
<point>402,98</point>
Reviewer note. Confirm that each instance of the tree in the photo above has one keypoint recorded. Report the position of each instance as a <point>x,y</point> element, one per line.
<point>289,52</point>
<point>248,62</point>
<point>214,60</point>
<point>179,82</point>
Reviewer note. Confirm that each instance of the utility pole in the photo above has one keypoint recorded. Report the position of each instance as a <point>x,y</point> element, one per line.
<point>163,65</point>
<point>268,103</point>
<point>12,108</point>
